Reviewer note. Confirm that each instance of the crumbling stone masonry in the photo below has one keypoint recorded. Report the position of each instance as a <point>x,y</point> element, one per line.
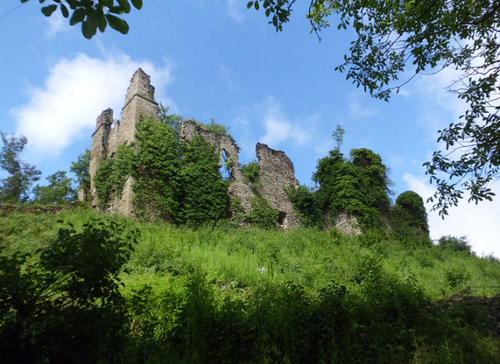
<point>276,169</point>
<point>276,175</point>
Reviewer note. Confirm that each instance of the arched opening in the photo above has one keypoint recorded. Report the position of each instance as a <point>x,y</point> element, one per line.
<point>225,169</point>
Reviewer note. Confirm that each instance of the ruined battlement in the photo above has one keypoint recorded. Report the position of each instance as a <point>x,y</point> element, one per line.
<point>276,169</point>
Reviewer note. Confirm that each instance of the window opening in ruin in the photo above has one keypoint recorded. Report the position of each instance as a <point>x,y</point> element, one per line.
<point>225,169</point>
<point>282,218</point>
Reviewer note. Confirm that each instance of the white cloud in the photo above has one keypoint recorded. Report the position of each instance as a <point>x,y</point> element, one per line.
<point>74,93</point>
<point>279,129</point>
<point>480,223</point>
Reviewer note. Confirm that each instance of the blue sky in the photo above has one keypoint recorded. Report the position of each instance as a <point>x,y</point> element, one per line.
<point>215,59</point>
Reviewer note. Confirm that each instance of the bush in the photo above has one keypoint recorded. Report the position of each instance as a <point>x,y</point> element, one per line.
<point>306,205</point>
<point>262,215</point>
<point>66,307</point>
<point>409,219</point>
<point>251,174</point>
<point>455,243</point>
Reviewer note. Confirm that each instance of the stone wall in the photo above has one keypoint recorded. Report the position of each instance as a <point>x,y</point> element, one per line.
<point>276,175</point>
<point>99,149</point>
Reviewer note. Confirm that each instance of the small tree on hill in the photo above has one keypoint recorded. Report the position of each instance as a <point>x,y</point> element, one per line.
<point>455,243</point>
<point>409,217</point>
<point>80,168</point>
<point>21,175</point>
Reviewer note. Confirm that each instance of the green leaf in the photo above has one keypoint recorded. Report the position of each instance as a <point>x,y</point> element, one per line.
<point>102,23</point>
<point>77,17</point>
<point>64,10</point>
<point>48,10</point>
<point>137,4</point>
<point>124,5</point>
<point>89,28</point>
<point>117,24</point>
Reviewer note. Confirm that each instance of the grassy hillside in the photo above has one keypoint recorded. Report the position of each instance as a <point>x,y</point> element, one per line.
<point>250,295</point>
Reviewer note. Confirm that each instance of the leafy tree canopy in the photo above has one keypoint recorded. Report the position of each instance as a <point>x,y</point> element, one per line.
<point>80,169</point>
<point>21,175</point>
<point>399,37</point>
<point>57,191</point>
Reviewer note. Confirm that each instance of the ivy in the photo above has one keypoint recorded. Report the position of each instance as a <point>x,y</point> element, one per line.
<point>205,193</point>
<point>213,127</point>
<point>157,163</point>
<point>112,175</point>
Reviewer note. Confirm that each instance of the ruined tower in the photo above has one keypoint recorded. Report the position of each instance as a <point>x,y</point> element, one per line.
<point>139,101</point>
<point>109,134</point>
<point>99,151</point>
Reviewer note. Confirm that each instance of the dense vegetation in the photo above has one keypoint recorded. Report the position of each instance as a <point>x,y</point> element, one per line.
<point>160,293</point>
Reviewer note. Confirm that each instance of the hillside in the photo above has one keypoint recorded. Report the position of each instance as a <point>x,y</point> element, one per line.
<point>228,294</point>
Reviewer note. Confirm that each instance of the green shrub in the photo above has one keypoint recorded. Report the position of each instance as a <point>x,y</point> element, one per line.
<point>306,205</point>
<point>457,278</point>
<point>66,306</point>
<point>262,215</point>
<point>455,243</point>
<point>251,174</point>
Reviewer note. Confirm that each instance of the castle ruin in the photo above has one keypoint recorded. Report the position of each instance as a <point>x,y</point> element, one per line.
<point>276,169</point>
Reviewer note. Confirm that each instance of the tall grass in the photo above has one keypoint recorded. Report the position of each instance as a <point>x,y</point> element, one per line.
<point>236,259</point>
